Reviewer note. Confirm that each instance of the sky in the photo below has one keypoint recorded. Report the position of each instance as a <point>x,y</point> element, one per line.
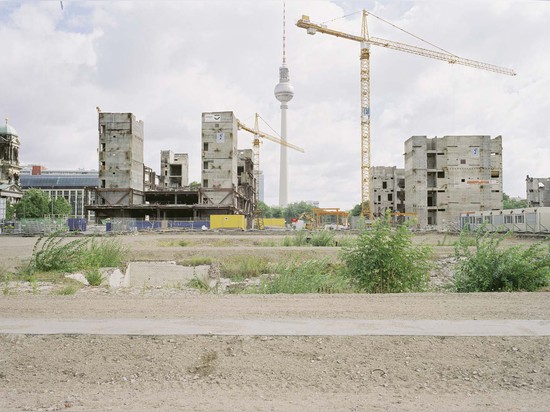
<point>169,61</point>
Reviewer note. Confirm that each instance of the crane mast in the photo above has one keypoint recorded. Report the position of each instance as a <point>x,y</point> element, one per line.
<point>256,148</point>
<point>366,41</point>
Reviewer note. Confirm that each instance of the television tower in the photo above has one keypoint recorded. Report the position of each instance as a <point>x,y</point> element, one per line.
<point>284,92</point>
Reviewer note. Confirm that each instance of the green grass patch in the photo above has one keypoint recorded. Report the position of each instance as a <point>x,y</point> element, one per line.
<point>306,238</point>
<point>244,267</point>
<point>174,243</point>
<point>196,261</point>
<point>69,289</point>
<point>311,276</point>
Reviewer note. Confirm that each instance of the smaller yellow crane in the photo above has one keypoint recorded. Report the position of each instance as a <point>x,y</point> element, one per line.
<point>256,148</point>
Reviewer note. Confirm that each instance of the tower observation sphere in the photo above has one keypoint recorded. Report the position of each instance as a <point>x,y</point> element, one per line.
<point>284,92</point>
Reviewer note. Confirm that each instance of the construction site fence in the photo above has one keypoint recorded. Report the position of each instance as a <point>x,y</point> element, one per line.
<point>136,225</point>
<point>35,226</point>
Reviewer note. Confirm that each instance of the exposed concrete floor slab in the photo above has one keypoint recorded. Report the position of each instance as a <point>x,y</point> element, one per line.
<point>162,274</point>
<point>277,327</point>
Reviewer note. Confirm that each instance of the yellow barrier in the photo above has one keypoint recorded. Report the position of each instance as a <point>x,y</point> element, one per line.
<point>274,222</point>
<point>227,222</point>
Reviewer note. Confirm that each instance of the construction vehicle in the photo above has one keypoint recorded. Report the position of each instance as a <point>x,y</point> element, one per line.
<point>365,42</point>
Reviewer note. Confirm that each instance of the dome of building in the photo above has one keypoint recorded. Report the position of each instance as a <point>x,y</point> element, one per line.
<point>6,129</point>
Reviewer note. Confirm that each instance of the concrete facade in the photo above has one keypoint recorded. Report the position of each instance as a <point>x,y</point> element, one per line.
<point>121,168</point>
<point>219,158</point>
<point>174,169</point>
<point>387,189</point>
<point>447,176</point>
<point>538,191</point>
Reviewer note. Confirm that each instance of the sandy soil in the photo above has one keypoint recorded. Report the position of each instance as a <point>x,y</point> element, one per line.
<point>83,372</point>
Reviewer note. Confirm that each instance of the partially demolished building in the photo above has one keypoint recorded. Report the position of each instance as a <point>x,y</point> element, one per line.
<point>128,189</point>
<point>538,191</point>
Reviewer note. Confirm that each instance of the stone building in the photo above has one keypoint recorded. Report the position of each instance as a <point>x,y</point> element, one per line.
<point>538,191</point>
<point>387,189</point>
<point>450,175</point>
<point>121,168</point>
<point>10,191</point>
<point>174,169</point>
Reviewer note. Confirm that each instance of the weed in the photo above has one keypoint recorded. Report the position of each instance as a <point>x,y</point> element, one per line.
<point>222,243</point>
<point>322,238</point>
<point>94,277</point>
<point>311,276</point>
<point>384,260</point>
<point>34,285</point>
<point>174,243</point>
<point>206,364</point>
<point>300,238</point>
<point>70,289</point>
<point>52,254</point>
<point>491,268</point>
<point>196,261</point>
<point>305,238</point>
<point>6,289</point>
<point>198,283</point>
<point>244,267</point>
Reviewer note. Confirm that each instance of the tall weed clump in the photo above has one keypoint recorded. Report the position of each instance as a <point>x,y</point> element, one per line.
<point>55,254</point>
<point>384,259</point>
<point>311,276</point>
<point>491,268</point>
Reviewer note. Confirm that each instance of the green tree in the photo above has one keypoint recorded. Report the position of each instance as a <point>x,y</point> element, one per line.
<point>294,210</point>
<point>35,203</point>
<point>194,185</point>
<point>10,209</point>
<point>509,203</point>
<point>385,260</point>
<point>60,206</point>
<point>356,211</point>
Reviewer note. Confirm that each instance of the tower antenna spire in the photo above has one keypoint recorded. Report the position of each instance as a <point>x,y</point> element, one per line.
<point>284,33</point>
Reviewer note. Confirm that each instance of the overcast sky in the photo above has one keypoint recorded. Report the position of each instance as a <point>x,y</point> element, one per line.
<point>169,61</point>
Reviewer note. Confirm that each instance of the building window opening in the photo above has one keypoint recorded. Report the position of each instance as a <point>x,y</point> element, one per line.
<point>519,219</point>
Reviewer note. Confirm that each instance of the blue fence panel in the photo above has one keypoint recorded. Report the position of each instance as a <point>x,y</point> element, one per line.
<point>76,224</point>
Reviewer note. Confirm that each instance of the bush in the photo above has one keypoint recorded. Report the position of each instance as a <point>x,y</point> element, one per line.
<point>311,276</point>
<point>53,254</point>
<point>493,269</point>
<point>384,260</point>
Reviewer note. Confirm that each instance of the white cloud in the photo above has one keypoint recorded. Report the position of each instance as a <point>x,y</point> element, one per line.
<point>169,61</point>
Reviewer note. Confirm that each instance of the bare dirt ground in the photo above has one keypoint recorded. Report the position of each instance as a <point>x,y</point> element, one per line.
<point>86,372</point>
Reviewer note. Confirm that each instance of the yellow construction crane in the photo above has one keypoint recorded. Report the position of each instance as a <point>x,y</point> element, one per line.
<point>366,41</point>
<point>256,147</point>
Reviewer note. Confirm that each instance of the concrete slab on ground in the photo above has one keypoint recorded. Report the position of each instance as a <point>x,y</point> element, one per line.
<point>162,274</point>
<point>277,327</point>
